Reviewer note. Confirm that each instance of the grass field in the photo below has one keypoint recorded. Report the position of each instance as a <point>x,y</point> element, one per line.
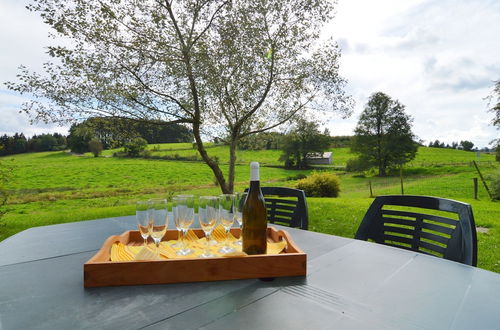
<point>56,187</point>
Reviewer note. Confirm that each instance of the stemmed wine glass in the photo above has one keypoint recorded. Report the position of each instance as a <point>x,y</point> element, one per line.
<point>158,210</point>
<point>143,220</point>
<point>238,214</point>
<point>183,206</point>
<point>208,214</point>
<point>227,211</point>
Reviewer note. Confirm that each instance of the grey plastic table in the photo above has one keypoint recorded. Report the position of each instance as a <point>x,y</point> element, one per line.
<point>350,284</point>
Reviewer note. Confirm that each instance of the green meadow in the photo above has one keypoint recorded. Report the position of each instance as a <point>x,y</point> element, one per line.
<point>57,187</point>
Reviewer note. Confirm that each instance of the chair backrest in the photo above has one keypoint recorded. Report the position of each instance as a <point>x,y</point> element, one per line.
<point>286,206</point>
<point>453,239</point>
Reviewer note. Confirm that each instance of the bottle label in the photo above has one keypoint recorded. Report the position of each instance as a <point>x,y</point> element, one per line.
<point>254,171</point>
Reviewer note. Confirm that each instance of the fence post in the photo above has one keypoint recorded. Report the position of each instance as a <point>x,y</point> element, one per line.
<point>482,179</point>
<point>475,187</point>
<point>370,185</point>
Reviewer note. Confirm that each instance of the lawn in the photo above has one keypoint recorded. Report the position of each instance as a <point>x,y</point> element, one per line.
<point>56,187</point>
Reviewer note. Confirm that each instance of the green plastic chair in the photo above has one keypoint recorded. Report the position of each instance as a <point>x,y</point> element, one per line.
<point>286,206</point>
<point>421,232</point>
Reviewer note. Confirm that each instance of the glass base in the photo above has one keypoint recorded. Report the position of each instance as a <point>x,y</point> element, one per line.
<point>207,255</point>
<point>226,249</point>
<point>184,252</point>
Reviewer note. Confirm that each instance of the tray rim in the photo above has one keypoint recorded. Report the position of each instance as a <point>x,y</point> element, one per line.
<point>114,238</point>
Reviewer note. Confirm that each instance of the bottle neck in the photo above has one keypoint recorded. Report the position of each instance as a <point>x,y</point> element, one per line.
<point>254,185</point>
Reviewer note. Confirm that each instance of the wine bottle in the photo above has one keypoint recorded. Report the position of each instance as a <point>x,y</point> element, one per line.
<point>254,216</point>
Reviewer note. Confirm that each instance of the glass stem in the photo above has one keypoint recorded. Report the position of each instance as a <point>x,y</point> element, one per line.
<point>227,237</point>
<point>184,237</point>
<point>207,243</point>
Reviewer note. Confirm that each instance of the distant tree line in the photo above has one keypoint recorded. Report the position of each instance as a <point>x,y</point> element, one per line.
<point>95,134</point>
<point>462,145</point>
<point>116,132</point>
<point>18,143</point>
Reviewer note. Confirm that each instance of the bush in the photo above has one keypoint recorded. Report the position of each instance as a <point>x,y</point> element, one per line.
<point>135,147</point>
<point>95,147</point>
<point>296,177</point>
<point>320,184</point>
<point>356,165</point>
<point>495,188</point>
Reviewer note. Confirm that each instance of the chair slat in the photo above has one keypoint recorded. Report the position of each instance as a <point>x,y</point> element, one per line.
<point>434,237</point>
<point>283,214</point>
<point>431,217</point>
<point>281,207</point>
<point>432,247</point>
<point>281,201</point>
<point>440,229</point>
<point>397,221</point>
<point>399,230</point>
<point>283,219</point>
<point>399,246</point>
<point>387,237</point>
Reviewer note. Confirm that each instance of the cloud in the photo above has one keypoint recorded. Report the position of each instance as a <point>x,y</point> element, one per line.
<point>439,58</point>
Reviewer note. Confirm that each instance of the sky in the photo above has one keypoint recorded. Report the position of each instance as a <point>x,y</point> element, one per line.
<point>439,58</point>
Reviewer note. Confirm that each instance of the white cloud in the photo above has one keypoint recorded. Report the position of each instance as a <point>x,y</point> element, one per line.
<point>439,58</point>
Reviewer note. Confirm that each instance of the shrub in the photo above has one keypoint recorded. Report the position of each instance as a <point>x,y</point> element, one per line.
<point>135,147</point>
<point>495,188</point>
<point>356,165</point>
<point>95,147</point>
<point>296,177</point>
<point>320,184</point>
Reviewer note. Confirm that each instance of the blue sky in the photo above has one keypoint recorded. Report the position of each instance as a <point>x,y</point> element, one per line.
<point>439,58</point>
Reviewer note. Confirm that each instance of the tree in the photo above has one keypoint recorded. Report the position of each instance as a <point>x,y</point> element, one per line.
<point>466,145</point>
<point>226,68</point>
<point>303,140</point>
<point>135,147</point>
<point>495,104</point>
<point>5,176</point>
<point>383,136</point>
<point>95,147</point>
<point>79,138</point>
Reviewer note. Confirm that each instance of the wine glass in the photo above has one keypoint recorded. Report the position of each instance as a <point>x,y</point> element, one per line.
<point>226,216</point>
<point>158,210</point>
<point>238,214</point>
<point>183,206</point>
<point>143,219</point>
<point>208,215</point>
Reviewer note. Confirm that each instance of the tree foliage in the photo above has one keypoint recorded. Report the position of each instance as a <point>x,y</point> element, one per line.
<point>95,147</point>
<point>466,145</point>
<point>135,147</point>
<point>18,143</point>
<point>494,101</point>
<point>303,139</point>
<point>226,68</point>
<point>115,132</point>
<point>5,176</point>
<point>383,135</point>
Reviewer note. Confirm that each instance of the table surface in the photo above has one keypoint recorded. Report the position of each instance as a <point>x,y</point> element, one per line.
<point>350,284</point>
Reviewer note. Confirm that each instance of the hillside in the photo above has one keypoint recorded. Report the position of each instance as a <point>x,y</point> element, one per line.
<point>56,187</point>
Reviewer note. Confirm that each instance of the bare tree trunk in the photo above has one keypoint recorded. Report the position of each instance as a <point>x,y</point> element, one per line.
<point>209,161</point>
<point>232,164</point>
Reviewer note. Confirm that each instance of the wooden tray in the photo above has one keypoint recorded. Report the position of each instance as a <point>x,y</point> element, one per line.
<point>100,271</point>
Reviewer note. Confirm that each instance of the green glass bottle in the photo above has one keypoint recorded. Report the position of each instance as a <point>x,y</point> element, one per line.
<point>254,216</point>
